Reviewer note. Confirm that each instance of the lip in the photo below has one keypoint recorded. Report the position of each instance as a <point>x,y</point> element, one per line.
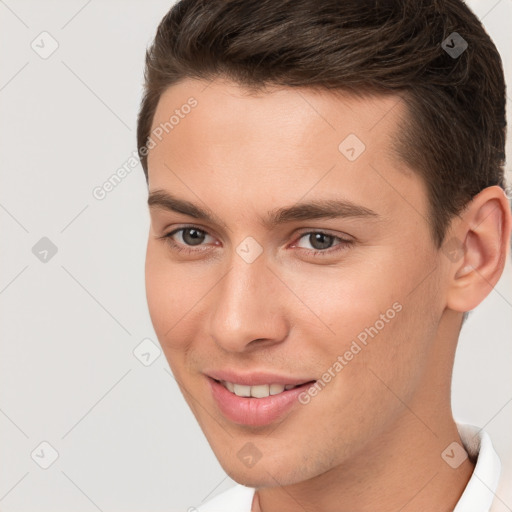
<point>255,378</point>
<point>255,412</point>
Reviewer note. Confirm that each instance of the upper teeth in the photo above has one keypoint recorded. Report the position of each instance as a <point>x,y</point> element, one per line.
<point>261,391</point>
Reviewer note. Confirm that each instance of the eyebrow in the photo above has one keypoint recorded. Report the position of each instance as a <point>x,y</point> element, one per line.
<point>316,209</point>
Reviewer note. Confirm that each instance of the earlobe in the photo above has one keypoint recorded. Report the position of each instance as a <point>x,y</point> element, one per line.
<point>484,234</point>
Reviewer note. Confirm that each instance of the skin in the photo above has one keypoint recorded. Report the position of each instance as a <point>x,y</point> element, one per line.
<point>373,437</point>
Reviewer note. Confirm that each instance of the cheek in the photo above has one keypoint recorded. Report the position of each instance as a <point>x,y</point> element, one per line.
<point>167,292</point>
<point>395,340</point>
<point>375,324</point>
<point>343,302</point>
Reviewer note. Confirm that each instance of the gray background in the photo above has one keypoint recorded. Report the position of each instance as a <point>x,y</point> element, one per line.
<point>125,437</point>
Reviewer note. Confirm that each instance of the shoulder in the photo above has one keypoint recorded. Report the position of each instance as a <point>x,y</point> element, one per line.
<point>237,499</point>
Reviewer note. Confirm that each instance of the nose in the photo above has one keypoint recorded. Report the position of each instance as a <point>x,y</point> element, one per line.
<point>249,310</point>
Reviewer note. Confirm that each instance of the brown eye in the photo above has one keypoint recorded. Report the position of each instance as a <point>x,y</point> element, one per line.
<point>320,241</point>
<point>322,244</point>
<point>192,236</point>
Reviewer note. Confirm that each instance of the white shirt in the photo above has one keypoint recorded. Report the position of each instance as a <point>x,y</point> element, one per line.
<point>483,493</point>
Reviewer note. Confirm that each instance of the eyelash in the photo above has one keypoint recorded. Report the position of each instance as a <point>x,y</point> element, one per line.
<point>178,247</point>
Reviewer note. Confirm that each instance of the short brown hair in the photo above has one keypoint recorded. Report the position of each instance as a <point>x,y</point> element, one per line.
<point>456,128</point>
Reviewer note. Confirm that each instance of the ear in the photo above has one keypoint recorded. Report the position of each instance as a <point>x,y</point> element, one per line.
<point>477,248</point>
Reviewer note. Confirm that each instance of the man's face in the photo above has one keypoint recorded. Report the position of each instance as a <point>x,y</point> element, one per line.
<point>294,297</point>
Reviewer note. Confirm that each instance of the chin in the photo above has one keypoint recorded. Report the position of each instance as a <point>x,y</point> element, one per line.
<point>262,474</point>
<point>258,480</point>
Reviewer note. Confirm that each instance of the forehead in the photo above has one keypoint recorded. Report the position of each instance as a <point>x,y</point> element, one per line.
<point>285,115</point>
<point>277,141</point>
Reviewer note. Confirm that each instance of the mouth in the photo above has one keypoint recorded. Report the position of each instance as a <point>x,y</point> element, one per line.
<point>257,405</point>
<point>259,391</point>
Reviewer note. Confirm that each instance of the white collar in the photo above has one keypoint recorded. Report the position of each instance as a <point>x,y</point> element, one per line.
<point>480,490</point>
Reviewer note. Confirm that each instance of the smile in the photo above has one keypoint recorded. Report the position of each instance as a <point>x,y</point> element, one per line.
<point>261,391</point>
<point>257,405</point>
